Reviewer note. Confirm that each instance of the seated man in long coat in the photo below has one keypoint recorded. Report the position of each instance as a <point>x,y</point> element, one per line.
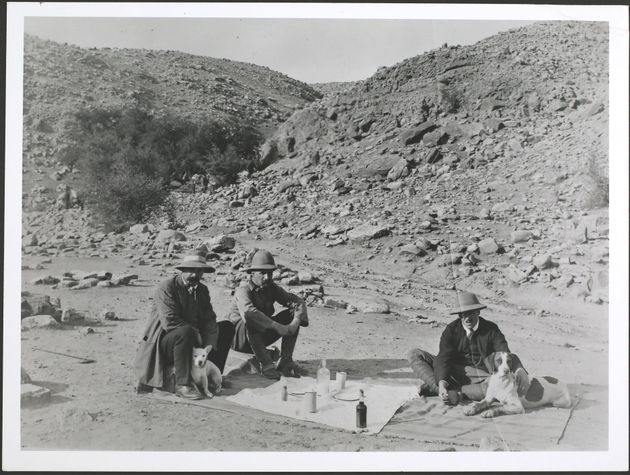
<point>181,318</point>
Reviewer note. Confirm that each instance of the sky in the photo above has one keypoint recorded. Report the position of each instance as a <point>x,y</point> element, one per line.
<point>310,50</point>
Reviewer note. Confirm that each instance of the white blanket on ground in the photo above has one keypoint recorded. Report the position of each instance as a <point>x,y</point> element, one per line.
<point>337,409</point>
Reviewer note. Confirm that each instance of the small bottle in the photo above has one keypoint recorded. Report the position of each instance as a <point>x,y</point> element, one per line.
<point>361,411</point>
<point>285,393</point>
<point>323,379</point>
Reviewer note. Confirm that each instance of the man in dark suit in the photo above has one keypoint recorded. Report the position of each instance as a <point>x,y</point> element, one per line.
<point>462,364</point>
<point>181,318</point>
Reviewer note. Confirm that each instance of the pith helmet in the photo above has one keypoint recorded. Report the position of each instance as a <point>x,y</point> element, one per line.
<point>262,260</point>
<point>196,260</point>
<point>466,301</point>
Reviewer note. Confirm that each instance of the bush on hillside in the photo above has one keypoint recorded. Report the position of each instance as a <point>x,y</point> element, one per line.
<point>598,197</point>
<point>126,158</point>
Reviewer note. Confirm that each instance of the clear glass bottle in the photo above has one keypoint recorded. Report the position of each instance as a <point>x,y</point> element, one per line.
<point>323,378</point>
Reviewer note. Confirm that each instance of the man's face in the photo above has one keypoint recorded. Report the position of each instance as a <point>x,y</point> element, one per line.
<point>192,277</point>
<point>262,278</point>
<point>469,319</point>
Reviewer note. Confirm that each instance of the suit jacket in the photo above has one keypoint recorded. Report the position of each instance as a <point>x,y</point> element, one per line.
<point>454,346</point>
<point>173,306</point>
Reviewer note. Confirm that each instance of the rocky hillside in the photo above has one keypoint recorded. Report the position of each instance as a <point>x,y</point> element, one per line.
<point>480,165</point>
<point>60,79</point>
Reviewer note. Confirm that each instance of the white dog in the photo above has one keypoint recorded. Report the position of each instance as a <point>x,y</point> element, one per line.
<point>205,374</point>
<point>502,388</point>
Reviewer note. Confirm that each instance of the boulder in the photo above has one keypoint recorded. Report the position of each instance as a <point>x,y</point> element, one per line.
<point>373,306</point>
<point>415,134</point>
<point>124,279</point>
<point>411,250</point>
<point>367,231</point>
<point>488,246</point>
<point>305,277</point>
<point>542,261</point>
<point>166,236</point>
<point>39,321</point>
<point>399,170</point>
<point>520,236</point>
<point>334,303</point>
<point>514,274</point>
<point>70,315</point>
<point>220,243</point>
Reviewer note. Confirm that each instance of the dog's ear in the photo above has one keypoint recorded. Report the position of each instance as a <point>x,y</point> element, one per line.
<point>510,362</point>
<point>208,348</point>
<point>488,361</point>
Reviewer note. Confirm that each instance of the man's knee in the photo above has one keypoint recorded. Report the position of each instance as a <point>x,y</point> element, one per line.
<point>416,354</point>
<point>284,317</point>
<point>186,334</point>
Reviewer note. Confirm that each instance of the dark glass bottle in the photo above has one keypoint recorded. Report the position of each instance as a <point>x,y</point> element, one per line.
<point>361,412</point>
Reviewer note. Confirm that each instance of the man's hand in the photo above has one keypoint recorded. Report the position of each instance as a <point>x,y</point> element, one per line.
<point>198,339</point>
<point>294,326</point>
<point>443,390</point>
<point>522,381</point>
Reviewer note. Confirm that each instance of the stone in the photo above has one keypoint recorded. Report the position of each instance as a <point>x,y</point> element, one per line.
<point>514,274</point>
<point>124,279</point>
<point>433,139</point>
<point>565,280</point>
<point>488,246</point>
<point>39,321</point>
<point>220,243</point>
<point>30,240</point>
<point>542,261</point>
<point>334,303</point>
<point>520,236</point>
<point>411,250</point>
<point>108,315</point>
<point>48,280</point>
<point>236,204</point>
<point>484,213</point>
<point>415,134</point>
<point>103,275</point>
<point>305,277</point>
<point>399,170</point>
<point>139,229</point>
<point>373,306</point>
<point>70,315</point>
<point>367,231</point>
<point>332,230</point>
<point>32,394</point>
<point>502,207</point>
<point>166,236</point>
<point>287,184</point>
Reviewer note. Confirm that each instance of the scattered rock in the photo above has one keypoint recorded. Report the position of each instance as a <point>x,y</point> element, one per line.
<point>39,321</point>
<point>367,231</point>
<point>31,394</point>
<point>521,236</point>
<point>488,246</point>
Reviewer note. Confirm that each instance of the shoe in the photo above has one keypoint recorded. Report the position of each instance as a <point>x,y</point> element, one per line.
<point>144,389</point>
<point>188,392</point>
<point>271,373</point>
<point>427,390</point>
<point>291,369</point>
<point>454,398</point>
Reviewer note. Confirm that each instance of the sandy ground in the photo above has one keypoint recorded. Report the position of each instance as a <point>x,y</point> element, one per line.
<point>94,406</point>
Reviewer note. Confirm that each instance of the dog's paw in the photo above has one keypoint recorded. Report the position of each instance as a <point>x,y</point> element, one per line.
<point>209,395</point>
<point>489,414</point>
<point>470,411</point>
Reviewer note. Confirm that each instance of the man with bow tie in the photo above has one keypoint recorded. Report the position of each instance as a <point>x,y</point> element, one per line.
<point>462,364</point>
<point>181,318</point>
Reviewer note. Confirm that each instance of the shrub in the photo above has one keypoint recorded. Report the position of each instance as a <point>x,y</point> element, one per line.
<point>126,158</point>
<point>451,99</point>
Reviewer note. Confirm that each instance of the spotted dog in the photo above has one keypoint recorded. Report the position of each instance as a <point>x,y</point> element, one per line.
<point>502,388</point>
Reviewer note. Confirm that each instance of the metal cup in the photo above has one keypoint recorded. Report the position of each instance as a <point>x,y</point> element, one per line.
<point>341,380</point>
<point>310,401</point>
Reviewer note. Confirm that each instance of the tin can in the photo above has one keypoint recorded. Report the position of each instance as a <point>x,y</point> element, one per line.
<point>310,401</point>
<point>341,380</point>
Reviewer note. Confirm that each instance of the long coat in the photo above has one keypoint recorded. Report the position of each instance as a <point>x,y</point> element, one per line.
<point>173,306</point>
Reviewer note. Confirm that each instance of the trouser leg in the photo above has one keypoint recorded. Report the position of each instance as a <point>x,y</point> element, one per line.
<point>422,365</point>
<point>176,347</point>
<point>248,340</point>
<point>471,381</point>
<point>219,354</point>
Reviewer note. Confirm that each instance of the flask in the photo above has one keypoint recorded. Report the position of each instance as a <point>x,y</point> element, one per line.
<point>361,411</point>
<point>284,395</point>
<point>323,378</point>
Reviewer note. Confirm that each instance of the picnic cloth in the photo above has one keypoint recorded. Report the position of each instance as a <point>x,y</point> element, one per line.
<point>428,419</point>
<point>335,409</point>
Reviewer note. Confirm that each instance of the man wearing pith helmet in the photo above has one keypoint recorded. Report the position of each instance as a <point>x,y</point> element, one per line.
<point>181,318</point>
<point>464,361</point>
<point>256,325</point>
